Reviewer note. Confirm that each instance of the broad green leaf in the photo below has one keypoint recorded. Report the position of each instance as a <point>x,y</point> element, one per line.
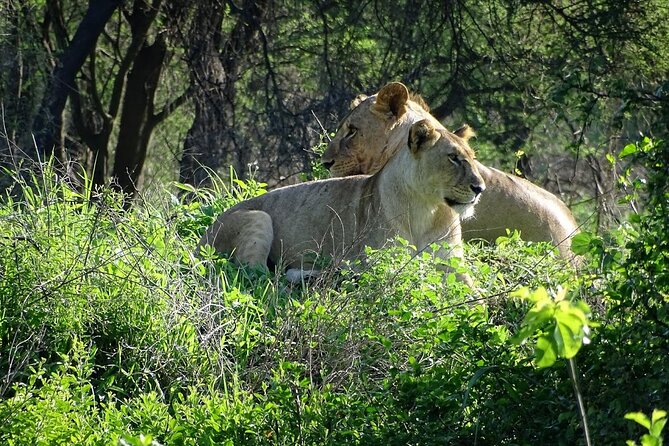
<point>580,243</point>
<point>628,150</point>
<point>584,307</point>
<point>540,295</point>
<point>536,316</point>
<point>521,293</point>
<point>656,428</point>
<point>659,419</point>
<point>568,334</point>
<point>575,310</point>
<point>545,352</point>
<point>658,415</point>
<point>638,417</point>
<point>524,333</point>
<point>648,440</point>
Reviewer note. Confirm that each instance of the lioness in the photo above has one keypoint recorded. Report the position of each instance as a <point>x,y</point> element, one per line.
<point>372,133</point>
<point>419,195</point>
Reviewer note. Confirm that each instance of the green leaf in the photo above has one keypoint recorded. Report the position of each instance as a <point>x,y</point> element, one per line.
<point>638,417</point>
<point>522,293</point>
<point>658,415</point>
<point>580,243</point>
<point>647,440</point>
<point>629,149</point>
<point>656,428</point>
<point>567,334</point>
<point>583,307</point>
<point>659,419</point>
<point>545,352</point>
<point>524,333</point>
<point>539,296</point>
<point>536,316</point>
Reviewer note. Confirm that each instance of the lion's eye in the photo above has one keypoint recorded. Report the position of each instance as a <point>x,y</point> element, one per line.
<point>454,159</point>
<point>351,131</point>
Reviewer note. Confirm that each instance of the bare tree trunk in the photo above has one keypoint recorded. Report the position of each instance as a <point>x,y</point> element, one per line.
<point>48,125</point>
<point>11,81</point>
<point>215,68</point>
<point>205,140</point>
<point>209,134</point>
<point>94,120</point>
<point>138,120</point>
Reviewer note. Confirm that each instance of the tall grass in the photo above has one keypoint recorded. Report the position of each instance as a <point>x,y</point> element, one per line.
<point>113,331</point>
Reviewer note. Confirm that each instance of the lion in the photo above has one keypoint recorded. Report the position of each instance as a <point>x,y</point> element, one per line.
<point>369,136</point>
<point>420,195</point>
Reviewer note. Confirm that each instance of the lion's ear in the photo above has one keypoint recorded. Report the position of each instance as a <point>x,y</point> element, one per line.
<point>392,98</point>
<point>465,132</point>
<point>421,133</point>
<point>355,102</point>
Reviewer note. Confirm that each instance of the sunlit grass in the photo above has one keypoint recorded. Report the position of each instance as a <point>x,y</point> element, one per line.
<point>111,328</point>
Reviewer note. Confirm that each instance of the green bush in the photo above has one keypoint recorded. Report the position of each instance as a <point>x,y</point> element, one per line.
<point>113,332</point>
<point>629,276</point>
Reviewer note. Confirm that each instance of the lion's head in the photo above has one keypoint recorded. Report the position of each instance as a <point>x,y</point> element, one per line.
<point>377,126</point>
<point>445,167</point>
<point>420,194</point>
<point>354,148</point>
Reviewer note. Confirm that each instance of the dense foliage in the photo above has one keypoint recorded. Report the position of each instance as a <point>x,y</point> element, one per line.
<point>112,331</point>
<point>170,86</point>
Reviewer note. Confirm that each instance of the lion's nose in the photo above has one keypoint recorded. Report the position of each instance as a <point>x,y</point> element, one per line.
<point>477,189</point>
<point>328,164</point>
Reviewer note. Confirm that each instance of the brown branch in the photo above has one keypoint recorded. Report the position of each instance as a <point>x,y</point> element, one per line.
<point>48,125</point>
<point>167,109</point>
<point>55,12</point>
<point>140,21</point>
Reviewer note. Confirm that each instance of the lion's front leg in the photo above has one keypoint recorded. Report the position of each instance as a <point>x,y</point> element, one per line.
<point>299,275</point>
<point>445,253</point>
<point>448,269</point>
<point>245,234</point>
<point>453,248</point>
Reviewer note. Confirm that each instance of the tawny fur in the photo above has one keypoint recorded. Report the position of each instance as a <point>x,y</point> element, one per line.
<point>372,133</point>
<point>419,195</point>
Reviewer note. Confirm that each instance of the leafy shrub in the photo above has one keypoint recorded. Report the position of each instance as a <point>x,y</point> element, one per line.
<point>654,425</point>
<point>111,331</point>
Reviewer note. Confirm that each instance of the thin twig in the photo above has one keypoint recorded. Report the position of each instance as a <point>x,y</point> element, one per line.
<point>325,132</point>
<point>579,400</point>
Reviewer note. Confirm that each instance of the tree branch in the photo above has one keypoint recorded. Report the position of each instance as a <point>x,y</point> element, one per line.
<point>48,124</point>
<point>167,109</point>
<point>140,21</point>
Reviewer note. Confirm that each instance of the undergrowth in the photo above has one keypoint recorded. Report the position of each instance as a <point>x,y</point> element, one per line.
<point>112,331</point>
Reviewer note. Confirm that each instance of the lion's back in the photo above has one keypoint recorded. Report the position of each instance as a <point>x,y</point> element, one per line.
<point>318,215</point>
